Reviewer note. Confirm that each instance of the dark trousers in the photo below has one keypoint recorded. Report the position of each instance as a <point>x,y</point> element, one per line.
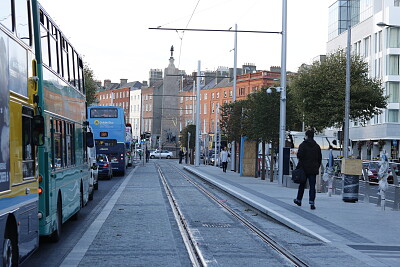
<point>224,166</point>
<point>311,180</point>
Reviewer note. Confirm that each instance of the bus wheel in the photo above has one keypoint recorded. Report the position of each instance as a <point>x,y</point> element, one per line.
<point>56,235</point>
<point>10,249</point>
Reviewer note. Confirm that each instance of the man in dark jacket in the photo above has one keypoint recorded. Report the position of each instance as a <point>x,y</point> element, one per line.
<point>310,157</point>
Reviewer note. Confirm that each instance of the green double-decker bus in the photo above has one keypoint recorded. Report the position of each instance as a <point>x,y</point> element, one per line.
<point>63,167</point>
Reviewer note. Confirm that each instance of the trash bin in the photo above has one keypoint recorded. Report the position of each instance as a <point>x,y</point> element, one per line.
<point>350,188</point>
<point>351,169</point>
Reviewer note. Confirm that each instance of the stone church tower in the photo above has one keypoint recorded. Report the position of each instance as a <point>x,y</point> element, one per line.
<point>169,107</point>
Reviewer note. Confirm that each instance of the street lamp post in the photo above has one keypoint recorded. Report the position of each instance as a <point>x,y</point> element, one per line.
<point>282,118</point>
<point>197,155</point>
<point>347,97</point>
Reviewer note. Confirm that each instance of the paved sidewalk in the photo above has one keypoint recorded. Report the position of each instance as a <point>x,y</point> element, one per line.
<point>360,229</point>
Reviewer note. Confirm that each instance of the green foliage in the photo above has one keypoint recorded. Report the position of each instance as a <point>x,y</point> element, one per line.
<point>232,120</point>
<point>90,85</point>
<point>184,136</point>
<point>319,92</point>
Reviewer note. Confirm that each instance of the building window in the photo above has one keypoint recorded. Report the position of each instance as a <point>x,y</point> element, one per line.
<point>205,96</point>
<point>378,67</point>
<point>217,94</point>
<point>393,37</point>
<point>230,93</point>
<point>225,94</point>
<point>393,92</point>
<point>396,2</point>
<point>190,109</point>
<point>180,111</point>
<point>366,46</point>
<point>186,110</point>
<point>393,65</point>
<point>377,119</point>
<point>181,100</point>
<point>378,41</point>
<point>212,108</point>
<point>393,115</point>
<point>205,108</point>
<point>212,95</point>
<point>150,106</point>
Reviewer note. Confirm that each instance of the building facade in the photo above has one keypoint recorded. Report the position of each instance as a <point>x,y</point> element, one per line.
<point>217,92</point>
<point>375,35</point>
<point>135,113</point>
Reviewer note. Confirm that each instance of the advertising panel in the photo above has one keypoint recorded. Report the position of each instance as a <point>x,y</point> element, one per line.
<point>4,115</point>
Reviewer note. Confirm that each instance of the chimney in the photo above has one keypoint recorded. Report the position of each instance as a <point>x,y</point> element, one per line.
<point>107,83</point>
<point>123,81</point>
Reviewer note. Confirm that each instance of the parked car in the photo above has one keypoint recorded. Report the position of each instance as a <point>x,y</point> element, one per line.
<point>163,153</point>
<point>373,169</point>
<point>211,159</point>
<point>129,158</point>
<point>104,166</point>
<point>94,171</point>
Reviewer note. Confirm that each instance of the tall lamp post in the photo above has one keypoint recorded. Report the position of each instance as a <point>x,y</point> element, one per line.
<point>347,97</point>
<point>282,89</point>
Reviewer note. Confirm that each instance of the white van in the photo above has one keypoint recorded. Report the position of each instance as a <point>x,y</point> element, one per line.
<point>94,172</point>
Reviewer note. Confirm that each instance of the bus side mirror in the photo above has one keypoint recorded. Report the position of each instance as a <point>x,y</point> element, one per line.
<point>89,139</point>
<point>38,130</point>
<point>334,142</point>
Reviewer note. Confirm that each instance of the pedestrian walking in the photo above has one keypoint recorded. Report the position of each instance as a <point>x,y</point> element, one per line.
<point>310,157</point>
<point>181,154</point>
<point>147,155</point>
<point>224,159</point>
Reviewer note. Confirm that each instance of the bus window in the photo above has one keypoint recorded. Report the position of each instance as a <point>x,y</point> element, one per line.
<point>5,14</point>
<point>106,142</point>
<point>28,167</point>
<point>22,21</point>
<point>103,113</point>
<point>45,44</point>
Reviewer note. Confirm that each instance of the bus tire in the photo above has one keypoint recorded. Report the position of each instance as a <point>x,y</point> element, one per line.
<point>10,246</point>
<point>56,235</point>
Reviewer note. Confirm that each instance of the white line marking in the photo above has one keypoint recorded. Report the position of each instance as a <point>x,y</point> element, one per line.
<point>78,252</point>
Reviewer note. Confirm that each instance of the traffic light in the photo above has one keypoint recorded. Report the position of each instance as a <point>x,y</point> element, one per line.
<point>147,136</point>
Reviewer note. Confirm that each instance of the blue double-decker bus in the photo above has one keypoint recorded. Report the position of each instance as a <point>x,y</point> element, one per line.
<point>108,123</point>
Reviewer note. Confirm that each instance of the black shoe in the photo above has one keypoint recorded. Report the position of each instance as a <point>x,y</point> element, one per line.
<point>312,206</point>
<point>298,203</point>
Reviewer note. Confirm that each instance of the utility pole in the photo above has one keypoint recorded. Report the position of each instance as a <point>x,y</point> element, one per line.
<point>197,155</point>
<point>233,148</point>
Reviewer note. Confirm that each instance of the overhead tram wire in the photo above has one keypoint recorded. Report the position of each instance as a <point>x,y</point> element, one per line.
<point>180,46</point>
<point>213,30</point>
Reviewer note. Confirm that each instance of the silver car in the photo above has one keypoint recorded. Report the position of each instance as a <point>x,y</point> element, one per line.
<point>163,153</point>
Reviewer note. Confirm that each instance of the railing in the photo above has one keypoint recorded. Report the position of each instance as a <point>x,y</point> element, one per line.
<point>368,191</point>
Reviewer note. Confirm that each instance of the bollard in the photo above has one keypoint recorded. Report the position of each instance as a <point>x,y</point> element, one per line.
<point>366,181</point>
<point>396,204</point>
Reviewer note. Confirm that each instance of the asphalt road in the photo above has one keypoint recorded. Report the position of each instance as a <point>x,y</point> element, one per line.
<point>52,254</point>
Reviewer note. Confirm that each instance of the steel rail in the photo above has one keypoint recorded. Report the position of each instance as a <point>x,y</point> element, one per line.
<point>194,252</point>
<point>265,237</point>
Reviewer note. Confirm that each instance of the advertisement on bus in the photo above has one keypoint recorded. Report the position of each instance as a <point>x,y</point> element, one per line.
<point>4,116</point>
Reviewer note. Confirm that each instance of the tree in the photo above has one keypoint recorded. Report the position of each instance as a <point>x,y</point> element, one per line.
<point>90,85</point>
<point>319,92</point>
<point>231,120</point>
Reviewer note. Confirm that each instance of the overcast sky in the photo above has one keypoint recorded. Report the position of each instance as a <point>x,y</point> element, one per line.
<point>115,41</point>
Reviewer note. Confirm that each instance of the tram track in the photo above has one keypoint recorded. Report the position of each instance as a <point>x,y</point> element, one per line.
<point>188,239</point>
<point>195,251</point>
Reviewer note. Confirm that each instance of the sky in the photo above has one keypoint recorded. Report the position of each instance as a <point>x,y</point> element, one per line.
<point>115,40</point>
